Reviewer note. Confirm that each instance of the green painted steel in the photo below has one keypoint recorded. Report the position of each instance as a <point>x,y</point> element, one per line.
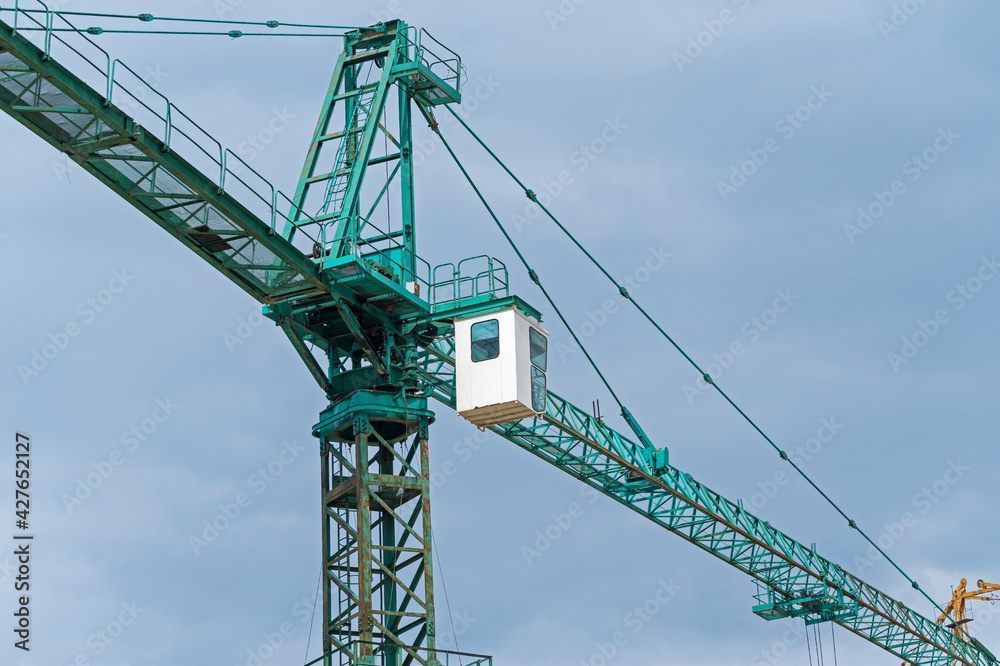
<point>375,61</point>
<point>445,658</point>
<point>378,599</point>
<point>331,281</point>
<point>379,594</point>
<point>372,323</point>
<point>590,451</point>
<point>219,216</point>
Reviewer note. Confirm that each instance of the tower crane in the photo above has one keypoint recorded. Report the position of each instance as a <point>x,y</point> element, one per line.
<point>960,597</point>
<point>955,617</point>
<point>382,334</point>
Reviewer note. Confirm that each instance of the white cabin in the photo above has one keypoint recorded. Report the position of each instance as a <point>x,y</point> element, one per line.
<point>500,364</point>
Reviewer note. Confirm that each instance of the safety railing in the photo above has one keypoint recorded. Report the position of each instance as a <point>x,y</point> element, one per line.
<point>25,21</point>
<point>126,89</point>
<point>481,277</point>
<point>448,69</point>
<point>818,603</point>
<point>129,91</point>
<point>385,248</point>
<point>443,657</point>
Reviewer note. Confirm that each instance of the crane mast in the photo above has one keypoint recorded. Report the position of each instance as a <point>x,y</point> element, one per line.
<point>373,324</point>
<point>378,594</point>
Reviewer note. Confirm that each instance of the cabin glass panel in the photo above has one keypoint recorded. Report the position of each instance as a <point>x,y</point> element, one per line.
<point>539,348</point>
<point>500,363</point>
<point>537,389</point>
<point>485,340</point>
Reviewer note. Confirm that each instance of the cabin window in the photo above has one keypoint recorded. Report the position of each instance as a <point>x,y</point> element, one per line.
<point>537,389</point>
<point>539,348</point>
<point>485,340</point>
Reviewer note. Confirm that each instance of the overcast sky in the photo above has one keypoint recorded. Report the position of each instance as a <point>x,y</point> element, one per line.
<point>811,184</point>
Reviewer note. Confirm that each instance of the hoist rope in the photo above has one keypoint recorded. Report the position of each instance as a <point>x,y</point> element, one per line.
<point>447,601</point>
<point>313,616</point>
<point>808,647</point>
<point>704,375</point>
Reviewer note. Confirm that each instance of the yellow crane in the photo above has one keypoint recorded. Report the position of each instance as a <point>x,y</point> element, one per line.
<point>955,610</point>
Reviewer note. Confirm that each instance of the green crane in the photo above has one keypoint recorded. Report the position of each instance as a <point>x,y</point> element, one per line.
<point>375,326</point>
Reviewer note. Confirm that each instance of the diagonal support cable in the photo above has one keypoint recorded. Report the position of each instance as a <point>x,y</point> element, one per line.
<point>704,375</point>
<point>626,414</point>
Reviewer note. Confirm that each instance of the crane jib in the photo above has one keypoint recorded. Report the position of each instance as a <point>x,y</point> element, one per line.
<point>587,449</point>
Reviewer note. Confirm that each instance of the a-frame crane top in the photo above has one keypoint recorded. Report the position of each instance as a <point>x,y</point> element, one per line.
<point>375,325</point>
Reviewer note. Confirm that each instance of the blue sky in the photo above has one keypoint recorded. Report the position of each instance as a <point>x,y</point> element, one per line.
<point>738,141</point>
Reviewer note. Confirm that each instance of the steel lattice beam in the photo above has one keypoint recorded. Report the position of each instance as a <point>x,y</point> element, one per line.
<point>587,449</point>
<point>378,592</point>
<point>191,206</point>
